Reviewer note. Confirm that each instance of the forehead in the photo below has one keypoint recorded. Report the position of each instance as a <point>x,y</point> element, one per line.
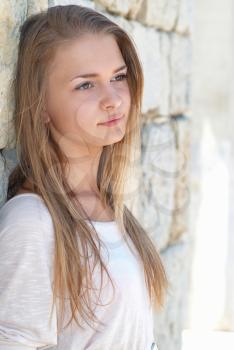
<point>91,52</point>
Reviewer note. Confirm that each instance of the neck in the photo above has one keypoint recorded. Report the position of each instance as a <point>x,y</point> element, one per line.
<point>82,174</point>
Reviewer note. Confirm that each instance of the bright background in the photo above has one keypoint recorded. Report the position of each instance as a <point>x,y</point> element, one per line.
<point>211,313</point>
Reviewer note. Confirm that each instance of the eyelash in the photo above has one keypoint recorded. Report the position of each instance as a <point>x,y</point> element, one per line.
<point>120,75</point>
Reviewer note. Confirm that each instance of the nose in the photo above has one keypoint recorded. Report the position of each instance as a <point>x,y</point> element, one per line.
<point>110,98</point>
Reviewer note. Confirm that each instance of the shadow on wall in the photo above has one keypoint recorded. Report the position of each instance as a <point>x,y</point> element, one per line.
<point>8,161</point>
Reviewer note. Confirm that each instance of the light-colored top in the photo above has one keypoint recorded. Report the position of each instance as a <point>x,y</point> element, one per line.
<point>26,276</point>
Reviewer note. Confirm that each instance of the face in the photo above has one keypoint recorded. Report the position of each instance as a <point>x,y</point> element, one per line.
<point>76,106</point>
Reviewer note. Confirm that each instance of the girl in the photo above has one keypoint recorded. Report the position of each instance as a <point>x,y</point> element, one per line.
<point>77,270</point>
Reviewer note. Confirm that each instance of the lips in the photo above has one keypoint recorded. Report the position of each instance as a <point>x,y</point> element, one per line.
<point>114,117</point>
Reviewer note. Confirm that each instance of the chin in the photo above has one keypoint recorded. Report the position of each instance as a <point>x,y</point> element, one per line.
<point>113,140</point>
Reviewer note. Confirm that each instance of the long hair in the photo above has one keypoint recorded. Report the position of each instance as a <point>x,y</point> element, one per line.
<point>41,159</point>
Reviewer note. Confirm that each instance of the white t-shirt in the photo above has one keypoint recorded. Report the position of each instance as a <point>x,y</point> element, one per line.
<point>26,276</point>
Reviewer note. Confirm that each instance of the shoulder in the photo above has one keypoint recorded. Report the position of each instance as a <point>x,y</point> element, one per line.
<point>25,208</point>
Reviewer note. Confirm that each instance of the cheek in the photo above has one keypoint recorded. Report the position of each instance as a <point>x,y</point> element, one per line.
<point>86,111</point>
<point>86,117</point>
<point>66,108</point>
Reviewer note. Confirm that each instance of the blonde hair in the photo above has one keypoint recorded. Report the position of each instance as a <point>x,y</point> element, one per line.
<point>42,161</point>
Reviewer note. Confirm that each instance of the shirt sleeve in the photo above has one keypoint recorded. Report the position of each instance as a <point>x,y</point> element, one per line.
<point>26,258</point>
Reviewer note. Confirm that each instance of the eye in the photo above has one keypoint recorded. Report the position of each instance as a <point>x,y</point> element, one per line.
<point>82,86</point>
<point>121,76</point>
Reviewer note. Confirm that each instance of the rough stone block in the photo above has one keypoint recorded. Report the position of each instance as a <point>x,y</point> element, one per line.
<point>157,185</point>
<point>3,182</point>
<point>6,107</point>
<point>184,22</point>
<point>181,126</point>
<point>35,6</point>
<point>7,163</point>
<point>161,14</point>
<point>170,321</point>
<point>12,14</point>
<point>180,63</point>
<point>147,42</point>
<point>128,8</point>
<point>165,82</point>
<point>85,3</point>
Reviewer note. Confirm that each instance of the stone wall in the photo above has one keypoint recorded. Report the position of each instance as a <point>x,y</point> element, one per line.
<point>161,30</point>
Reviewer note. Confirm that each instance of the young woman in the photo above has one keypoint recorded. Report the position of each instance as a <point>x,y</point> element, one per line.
<point>77,270</point>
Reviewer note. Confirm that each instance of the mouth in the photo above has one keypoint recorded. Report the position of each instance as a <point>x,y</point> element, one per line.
<point>113,121</point>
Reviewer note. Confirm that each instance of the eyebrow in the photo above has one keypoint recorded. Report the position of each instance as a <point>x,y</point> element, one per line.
<point>92,75</point>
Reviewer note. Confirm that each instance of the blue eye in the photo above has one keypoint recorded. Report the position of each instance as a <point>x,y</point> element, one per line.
<point>82,86</point>
<point>123,76</point>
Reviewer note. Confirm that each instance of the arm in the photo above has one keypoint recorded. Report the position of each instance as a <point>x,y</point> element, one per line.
<point>25,287</point>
